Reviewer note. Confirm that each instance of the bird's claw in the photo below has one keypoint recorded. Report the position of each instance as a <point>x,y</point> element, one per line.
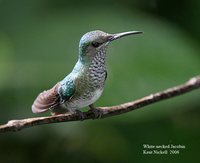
<point>80,114</point>
<point>97,112</point>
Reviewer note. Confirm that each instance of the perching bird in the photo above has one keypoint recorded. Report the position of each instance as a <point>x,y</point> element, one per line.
<point>85,84</point>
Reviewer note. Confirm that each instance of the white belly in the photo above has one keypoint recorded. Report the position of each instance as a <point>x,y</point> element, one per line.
<point>95,97</point>
<point>81,102</point>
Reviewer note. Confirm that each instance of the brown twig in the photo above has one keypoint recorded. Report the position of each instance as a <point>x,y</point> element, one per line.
<point>16,125</point>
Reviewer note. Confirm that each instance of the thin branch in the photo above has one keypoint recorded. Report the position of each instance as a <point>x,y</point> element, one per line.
<point>16,125</point>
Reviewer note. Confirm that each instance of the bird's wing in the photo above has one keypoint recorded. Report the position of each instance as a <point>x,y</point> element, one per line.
<point>106,75</point>
<point>46,99</point>
<point>67,90</point>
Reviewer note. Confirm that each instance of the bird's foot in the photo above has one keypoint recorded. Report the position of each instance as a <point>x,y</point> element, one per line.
<point>80,114</point>
<point>97,112</point>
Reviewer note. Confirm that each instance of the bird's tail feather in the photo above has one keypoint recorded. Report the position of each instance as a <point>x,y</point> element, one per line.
<point>46,99</point>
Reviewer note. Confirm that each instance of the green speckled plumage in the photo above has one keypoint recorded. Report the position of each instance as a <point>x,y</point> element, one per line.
<point>85,84</point>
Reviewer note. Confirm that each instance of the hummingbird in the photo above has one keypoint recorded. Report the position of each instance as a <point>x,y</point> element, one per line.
<point>85,84</point>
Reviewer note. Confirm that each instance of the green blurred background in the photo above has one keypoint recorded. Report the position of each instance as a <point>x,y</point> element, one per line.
<point>39,46</point>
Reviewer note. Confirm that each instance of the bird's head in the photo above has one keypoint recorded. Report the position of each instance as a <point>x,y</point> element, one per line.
<point>97,41</point>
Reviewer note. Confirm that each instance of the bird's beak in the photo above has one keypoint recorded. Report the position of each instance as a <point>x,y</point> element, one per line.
<point>119,35</point>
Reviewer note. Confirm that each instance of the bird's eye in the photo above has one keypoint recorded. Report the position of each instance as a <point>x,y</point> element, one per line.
<point>95,44</point>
